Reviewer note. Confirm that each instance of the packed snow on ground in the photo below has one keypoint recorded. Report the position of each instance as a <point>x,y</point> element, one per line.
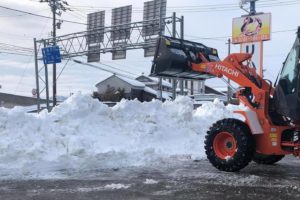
<point>83,133</point>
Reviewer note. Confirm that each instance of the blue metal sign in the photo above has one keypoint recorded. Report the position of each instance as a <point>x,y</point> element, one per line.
<point>51,55</point>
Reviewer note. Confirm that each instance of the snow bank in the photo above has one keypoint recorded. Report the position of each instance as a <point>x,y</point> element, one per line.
<point>83,133</point>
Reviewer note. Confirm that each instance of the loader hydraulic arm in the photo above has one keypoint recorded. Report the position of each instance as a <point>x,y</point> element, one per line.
<point>237,68</point>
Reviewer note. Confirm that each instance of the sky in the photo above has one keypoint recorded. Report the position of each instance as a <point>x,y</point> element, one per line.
<point>203,19</point>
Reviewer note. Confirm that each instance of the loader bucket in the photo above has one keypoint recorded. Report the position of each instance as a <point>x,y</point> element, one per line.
<point>173,57</point>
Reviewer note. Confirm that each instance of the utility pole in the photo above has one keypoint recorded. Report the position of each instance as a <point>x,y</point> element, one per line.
<point>174,82</point>
<point>181,37</point>
<point>54,43</point>
<point>252,7</point>
<point>229,91</point>
<point>160,34</point>
<point>57,6</point>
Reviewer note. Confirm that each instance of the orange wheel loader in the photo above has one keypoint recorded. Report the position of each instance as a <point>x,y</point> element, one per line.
<point>271,126</point>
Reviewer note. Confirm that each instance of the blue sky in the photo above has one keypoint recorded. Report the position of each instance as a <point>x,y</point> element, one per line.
<point>17,72</point>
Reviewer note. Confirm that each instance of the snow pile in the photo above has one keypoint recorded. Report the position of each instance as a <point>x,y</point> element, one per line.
<point>83,133</point>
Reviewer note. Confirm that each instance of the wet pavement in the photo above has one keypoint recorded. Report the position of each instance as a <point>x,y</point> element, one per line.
<point>182,180</point>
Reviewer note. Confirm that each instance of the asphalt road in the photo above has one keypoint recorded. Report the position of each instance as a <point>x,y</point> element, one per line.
<point>182,180</point>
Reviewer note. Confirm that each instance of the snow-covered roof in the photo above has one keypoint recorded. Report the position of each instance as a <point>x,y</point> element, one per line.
<point>150,83</point>
<point>165,95</point>
<point>155,81</point>
<point>150,90</point>
<point>164,83</point>
<point>220,89</point>
<point>132,82</point>
<point>184,89</point>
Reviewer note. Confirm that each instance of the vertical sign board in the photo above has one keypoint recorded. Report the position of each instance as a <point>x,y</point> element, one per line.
<point>121,30</point>
<point>118,52</point>
<point>250,31</point>
<point>153,11</point>
<point>93,53</point>
<point>149,50</point>
<point>121,19</point>
<point>95,28</point>
<point>256,49</point>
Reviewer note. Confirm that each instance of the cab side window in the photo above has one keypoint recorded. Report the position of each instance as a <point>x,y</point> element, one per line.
<point>288,77</point>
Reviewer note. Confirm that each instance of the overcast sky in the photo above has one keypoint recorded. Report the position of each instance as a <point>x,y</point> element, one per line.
<point>201,21</point>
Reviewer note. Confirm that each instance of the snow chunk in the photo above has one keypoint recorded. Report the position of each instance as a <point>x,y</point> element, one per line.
<point>150,181</point>
<point>117,186</point>
<point>227,158</point>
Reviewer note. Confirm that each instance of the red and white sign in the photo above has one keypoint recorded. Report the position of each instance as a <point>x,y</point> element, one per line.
<point>34,92</point>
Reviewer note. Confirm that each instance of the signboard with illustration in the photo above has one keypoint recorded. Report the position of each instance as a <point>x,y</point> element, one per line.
<point>254,28</point>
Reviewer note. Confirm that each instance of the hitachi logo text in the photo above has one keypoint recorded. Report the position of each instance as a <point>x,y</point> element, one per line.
<point>228,71</point>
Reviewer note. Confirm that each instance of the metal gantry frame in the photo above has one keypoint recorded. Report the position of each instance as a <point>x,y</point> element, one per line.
<point>75,45</point>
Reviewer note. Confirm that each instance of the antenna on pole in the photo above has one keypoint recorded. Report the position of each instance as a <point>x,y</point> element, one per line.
<point>252,6</point>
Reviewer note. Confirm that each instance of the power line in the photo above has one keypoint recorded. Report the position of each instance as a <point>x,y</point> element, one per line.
<point>101,68</point>
<point>203,8</point>
<point>180,9</point>
<point>226,37</point>
<point>19,54</point>
<point>29,60</point>
<point>15,47</point>
<point>42,16</point>
<point>118,68</point>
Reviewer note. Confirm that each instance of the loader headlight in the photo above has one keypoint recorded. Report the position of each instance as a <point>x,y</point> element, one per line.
<point>215,52</point>
<point>168,43</point>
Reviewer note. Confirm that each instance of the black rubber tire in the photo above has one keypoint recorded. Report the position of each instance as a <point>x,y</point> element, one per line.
<point>267,159</point>
<point>244,142</point>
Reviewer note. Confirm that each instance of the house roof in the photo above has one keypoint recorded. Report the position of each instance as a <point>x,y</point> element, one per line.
<point>165,95</point>
<point>154,81</point>
<point>164,83</point>
<point>211,90</point>
<point>150,90</point>
<point>130,81</point>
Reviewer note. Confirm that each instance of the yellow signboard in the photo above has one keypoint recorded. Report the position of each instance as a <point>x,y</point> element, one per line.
<point>254,28</point>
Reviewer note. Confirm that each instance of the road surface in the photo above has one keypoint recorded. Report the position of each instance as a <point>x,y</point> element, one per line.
<point>169,181</point>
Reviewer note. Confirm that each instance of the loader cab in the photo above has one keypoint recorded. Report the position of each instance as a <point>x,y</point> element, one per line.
<point>287,91</point>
